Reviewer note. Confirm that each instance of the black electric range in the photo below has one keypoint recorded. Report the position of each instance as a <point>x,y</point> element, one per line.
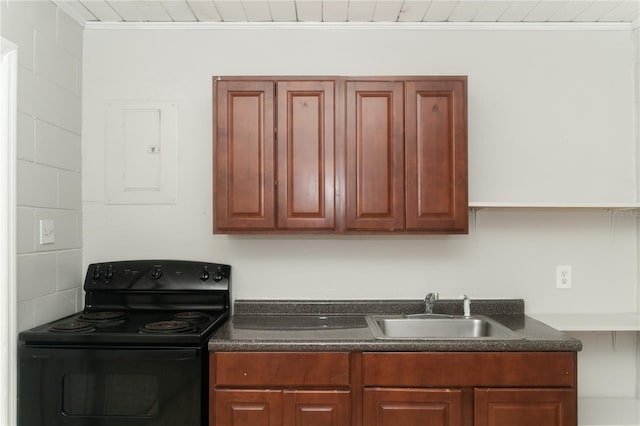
<point>135,355</point>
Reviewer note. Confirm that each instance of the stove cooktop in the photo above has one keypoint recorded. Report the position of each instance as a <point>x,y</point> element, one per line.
<point>133,328</point>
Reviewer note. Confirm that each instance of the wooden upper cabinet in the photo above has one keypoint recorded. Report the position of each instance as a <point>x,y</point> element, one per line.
<point>251,161</point>
<point>340,155</point>
<point>375,155</point>
<point>436,155</point>
<point>244,155</point>
<point>306,147</point>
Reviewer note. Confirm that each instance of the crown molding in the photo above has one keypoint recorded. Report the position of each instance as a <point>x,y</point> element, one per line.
<point>337,26</point>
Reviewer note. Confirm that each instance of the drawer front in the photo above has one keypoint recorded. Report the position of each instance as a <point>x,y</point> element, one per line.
<point>464,369</point>
<point>281,369</point>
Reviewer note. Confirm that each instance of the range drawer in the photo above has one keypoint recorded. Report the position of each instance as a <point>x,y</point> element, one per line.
<point>281,369</point>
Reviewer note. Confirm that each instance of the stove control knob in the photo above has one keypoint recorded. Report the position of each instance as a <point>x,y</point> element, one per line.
<point>156,273</point>
<point>218,275</point>
<point>204,275</point>
<point>95,275</point>
<point>109,273</point>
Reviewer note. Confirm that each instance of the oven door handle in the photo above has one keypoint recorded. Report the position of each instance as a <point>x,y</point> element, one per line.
<point>109,353</point>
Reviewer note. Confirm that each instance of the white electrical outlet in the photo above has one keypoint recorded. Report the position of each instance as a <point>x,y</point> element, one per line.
<point>563,276</point>
<point>47,232</point>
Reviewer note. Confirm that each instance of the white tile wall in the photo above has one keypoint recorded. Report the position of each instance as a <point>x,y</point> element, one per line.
<point>65,228</point>
<point>57,147</point>
<point>26,232</point>
<point>69,190</point>
<point>37,275</point>
<point>56,305</point>
<point>69,269</point>
<point>69,34</point>
<point>37,185</point>
<point>49,157</point>
<point>26,137</point>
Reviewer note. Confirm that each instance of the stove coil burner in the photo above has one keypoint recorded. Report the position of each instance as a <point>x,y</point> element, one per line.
<point>72,327</point>
<point>103,317</point>
<point>168,327</point>
<point>192,317</point>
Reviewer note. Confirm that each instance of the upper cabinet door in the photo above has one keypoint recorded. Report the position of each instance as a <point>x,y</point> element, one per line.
<point>375,156</point>
<point>306,154</point>
<point>244,155</point>
<point>436,155</point>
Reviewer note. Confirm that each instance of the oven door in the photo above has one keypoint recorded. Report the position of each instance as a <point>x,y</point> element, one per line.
<point>111,387</point>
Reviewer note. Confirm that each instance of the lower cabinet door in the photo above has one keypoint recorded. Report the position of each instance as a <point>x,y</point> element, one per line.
<point>525,407</point>
<point>317,408</point>
<point>413,407</point>
<point>281,408</point>
<point>247,408</point>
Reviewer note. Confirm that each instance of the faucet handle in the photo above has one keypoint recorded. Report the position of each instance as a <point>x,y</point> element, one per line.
<point>432,296</point>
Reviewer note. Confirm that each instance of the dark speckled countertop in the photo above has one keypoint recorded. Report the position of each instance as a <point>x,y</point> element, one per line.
<point>294,325</point>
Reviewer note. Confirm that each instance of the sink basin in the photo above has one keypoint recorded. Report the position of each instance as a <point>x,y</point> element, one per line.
<point>437,327</point>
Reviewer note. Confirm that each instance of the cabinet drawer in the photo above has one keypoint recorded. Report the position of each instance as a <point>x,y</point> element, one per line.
<point>281,369</point>
<point>463,369</point>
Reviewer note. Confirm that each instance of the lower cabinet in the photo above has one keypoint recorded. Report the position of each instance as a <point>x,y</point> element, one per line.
<point>525,407</point>
<point>281,408</point>
<point>424,407</point>
<point>393,389</point>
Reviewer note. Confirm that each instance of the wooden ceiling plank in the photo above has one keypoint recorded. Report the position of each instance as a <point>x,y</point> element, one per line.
<point>128,10</point>
<point>413,10</point>
<point>309,10</point>
<point>466,11</point>
<point>102,10</point>
<point>596,11</point>
<point>230,10</point>
<point>570,10</point>
<point>283,10</point>
<point>387,10</point>
<point>439,11</point>
<point>76,10</point>
<point>335,10</point>
<point>518,10</point>
<point>153,10</point>
<point>361,10</point>
<point>544,11</point>
<point>179,10</point>
<point>622,11</point>
<point>204,10</point>
<point>257,10</point>
<point>491,11</point>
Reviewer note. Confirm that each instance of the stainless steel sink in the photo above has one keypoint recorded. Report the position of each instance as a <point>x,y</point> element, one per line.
<point>437,327</point>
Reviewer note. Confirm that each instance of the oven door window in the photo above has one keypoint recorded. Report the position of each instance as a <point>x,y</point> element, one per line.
<point>90,394</point>
<point>111,387</point>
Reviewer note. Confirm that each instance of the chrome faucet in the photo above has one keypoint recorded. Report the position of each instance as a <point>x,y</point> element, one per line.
<point>466,305</point>
<point>429,301</point>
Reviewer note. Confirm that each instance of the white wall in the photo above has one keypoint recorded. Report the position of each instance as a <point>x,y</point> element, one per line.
<point>49,157</point>
<point>550,119</point>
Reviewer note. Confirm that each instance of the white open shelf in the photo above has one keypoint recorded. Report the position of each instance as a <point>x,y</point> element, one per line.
<point>591,322</point>
<point>600,411</point>
<point>544,205</point>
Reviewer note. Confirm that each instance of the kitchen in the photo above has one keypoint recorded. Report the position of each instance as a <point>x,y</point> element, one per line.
<point>553,165</point>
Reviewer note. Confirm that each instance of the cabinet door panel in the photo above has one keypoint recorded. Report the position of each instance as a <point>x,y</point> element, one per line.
<point>525,407</point>
<point>317,408</point>
<point>306,154</point>
<point>244,150</point>
<point>436,153</point>
<point>247,408</point>
<point>375,156</point>
<point>413,407</point>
